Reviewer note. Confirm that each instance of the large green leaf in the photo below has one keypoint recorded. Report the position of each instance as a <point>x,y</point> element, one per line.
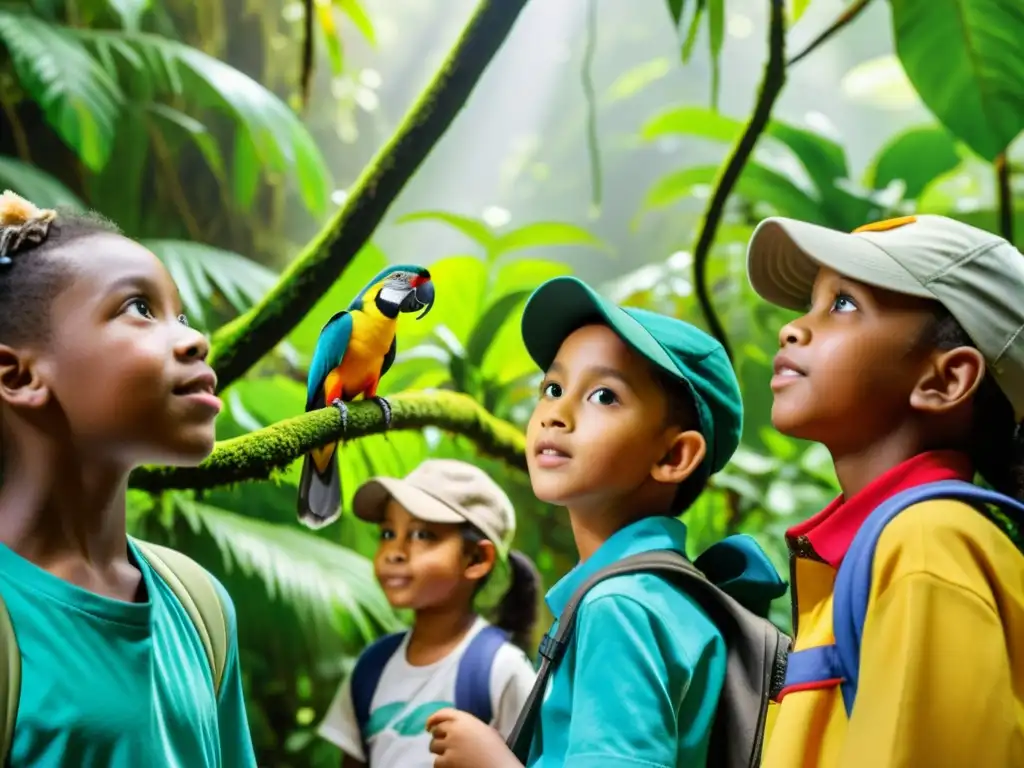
<point>79,97</point>
<point>329,592</point>
<point>268,131</point>
<point>201,271</point>
<point>917,157</point>
<point>36,185</point>
<point>966,60</point>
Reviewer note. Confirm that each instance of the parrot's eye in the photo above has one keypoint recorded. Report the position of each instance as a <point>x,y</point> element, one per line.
<point>183,320</point>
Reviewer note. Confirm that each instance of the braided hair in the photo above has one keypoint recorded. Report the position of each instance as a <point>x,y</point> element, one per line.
<point>29,285</point>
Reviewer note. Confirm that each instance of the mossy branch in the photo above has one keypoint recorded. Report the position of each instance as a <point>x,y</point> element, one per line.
<point>771,86</point>
<point>257,455</point>
<point>238,345</point>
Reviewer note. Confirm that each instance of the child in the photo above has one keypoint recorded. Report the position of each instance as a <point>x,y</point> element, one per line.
<point>444,549</point>
<point>636,411</point>
<point>99,373</point>
<point>908,365</point>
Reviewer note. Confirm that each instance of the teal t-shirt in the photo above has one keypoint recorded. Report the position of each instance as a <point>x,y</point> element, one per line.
<point>640,681</point>
<point>111,684</point>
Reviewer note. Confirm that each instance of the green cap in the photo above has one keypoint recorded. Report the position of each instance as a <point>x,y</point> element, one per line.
<point>686,353</point>
<point>976,275</point>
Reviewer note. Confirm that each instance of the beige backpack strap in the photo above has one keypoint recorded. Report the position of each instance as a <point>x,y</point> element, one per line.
<point>195,590</point>
<point>10,681</point>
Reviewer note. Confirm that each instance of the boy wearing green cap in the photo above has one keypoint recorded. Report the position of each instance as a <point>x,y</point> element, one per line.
<point>636,411</point>
<point>908,365</point>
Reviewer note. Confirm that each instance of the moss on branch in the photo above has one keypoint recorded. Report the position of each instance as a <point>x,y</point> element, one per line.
<point>238,345</point>
<point>257,455</point>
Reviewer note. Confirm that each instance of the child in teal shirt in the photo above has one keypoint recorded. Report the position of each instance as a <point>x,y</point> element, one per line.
<point>99,373</point>
<point>636,411</point>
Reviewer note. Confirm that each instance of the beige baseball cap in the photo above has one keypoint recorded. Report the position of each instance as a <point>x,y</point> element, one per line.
<point>976,275</point>
<point>443,491</point>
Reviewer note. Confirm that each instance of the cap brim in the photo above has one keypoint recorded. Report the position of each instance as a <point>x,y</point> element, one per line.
<point>784,256</point>
<point>372,498</point>
<point>564,304</point>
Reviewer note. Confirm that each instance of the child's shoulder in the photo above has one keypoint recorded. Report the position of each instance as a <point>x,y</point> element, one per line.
<point>661,603</point>
<point>950,540</point>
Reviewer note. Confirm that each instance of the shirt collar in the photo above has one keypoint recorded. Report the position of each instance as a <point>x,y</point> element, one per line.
<point>831,531</point>
<point>646,535</point>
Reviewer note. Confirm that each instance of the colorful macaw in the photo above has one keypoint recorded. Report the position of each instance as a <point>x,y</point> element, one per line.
<point>355,349</point>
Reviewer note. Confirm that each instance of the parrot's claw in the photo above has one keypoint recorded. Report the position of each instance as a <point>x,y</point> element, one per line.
<point>385,409</point>
<point>343,410</point>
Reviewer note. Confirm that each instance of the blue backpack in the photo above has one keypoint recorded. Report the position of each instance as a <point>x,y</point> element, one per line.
<point>472,680</point>
<point>841,660</point>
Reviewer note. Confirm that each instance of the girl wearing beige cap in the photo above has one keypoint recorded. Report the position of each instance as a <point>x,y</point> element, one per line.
<point>445,532</point>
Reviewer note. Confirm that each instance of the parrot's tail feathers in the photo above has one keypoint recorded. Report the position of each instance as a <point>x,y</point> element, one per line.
<point>319,493</point>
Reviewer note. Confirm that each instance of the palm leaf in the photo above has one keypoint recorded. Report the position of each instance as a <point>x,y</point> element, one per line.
<point>201,272</point>
<point>269,134</point>
<point>289,584</point>
<point>79,97</point>
<point>36,185</point>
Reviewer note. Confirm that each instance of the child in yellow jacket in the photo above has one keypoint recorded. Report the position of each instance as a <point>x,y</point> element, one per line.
<point>908,601</point>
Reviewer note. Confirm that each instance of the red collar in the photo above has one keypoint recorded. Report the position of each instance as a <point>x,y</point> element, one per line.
<point>831,531</point>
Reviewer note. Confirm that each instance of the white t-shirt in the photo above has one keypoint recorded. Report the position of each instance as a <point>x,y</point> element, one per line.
<point>406,696</point>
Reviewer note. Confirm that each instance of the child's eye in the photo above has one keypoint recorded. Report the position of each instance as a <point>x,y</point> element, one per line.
<point>843,303</point>
<point>386,534</point>
<point>422,535</point>
<point>603,396</point>
<point>552,390</point>
<point>140,307</point>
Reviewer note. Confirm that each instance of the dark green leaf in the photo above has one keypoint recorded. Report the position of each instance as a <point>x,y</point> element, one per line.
<point>271,130</point>
<point>488,325</point>
<point>36,185</point>
<point>78,97</point>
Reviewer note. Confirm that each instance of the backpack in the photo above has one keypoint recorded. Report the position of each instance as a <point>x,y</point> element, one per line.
<point>852,590</point>
<point>472,679</point>
<point>190,584</point>
<point>755,662</point>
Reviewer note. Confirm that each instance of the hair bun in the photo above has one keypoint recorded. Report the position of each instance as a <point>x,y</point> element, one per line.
<point>16,211</point>
<point>21,224</point>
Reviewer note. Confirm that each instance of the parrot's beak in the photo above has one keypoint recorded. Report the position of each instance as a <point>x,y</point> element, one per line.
<point>422,297</point>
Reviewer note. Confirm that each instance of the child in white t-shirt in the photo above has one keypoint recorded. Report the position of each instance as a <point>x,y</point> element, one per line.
<point>444,553</point>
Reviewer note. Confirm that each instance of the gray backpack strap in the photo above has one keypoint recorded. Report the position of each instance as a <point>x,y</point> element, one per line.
<point>755,666</point>
<point>10,682</point>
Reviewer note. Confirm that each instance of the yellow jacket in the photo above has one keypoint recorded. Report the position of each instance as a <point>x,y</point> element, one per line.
<point>942,656</point>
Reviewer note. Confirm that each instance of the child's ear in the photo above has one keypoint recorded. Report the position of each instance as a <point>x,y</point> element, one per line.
<point>20,383</point>
<point>684,455</point>
<point>481,561</point>
<point>952,377</point>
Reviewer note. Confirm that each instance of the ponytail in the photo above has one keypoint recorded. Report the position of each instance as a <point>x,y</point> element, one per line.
<point>517,611</point>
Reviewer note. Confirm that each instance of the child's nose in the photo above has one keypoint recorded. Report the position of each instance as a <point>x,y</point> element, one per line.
<point>192,345</point>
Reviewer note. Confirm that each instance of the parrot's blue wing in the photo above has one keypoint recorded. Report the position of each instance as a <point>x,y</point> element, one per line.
<point>330,350</point>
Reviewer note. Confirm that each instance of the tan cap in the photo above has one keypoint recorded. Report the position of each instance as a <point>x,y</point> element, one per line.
<point>443,491</point>
<point>976,275</point>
